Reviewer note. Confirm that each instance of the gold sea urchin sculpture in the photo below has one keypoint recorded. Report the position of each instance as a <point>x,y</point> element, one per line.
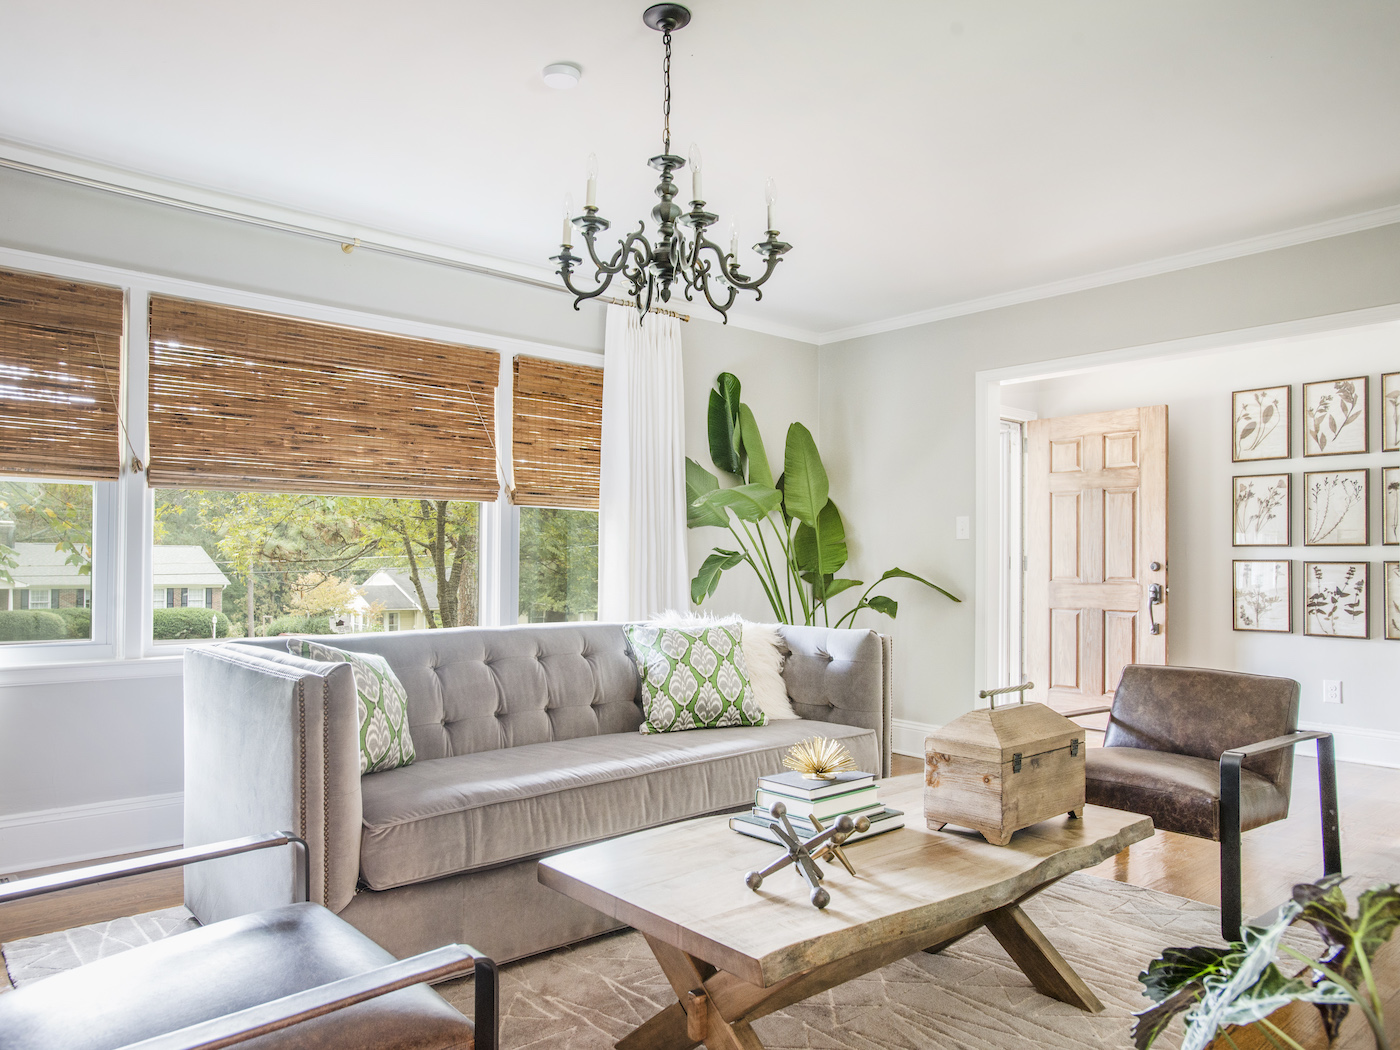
<point>819,758</point>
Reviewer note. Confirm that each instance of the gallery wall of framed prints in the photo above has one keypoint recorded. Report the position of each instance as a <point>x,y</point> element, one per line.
<point>1335,504</point>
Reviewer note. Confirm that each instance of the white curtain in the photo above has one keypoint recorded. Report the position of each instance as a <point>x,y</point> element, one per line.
<point>642,563</point>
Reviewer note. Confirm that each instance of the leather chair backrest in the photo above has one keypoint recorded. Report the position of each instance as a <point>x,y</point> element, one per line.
<point>1200,712</point>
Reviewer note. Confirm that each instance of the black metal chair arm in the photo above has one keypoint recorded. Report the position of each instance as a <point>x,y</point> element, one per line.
<point>452,960</point>
<point>67,880</point>
<point>1276,744</point>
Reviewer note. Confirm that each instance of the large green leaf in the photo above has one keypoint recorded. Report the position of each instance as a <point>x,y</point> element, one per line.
<point>805,486</point>
<point>748,502</point>
<point>698,483</point>
<point>1324,907</point>
<point>831,588</point>
<point>707,579</point>
<point>751,445</point>
<point>898,573</point>
<point>882,604</point>
<point>821,550</point>
<point>725,447</point>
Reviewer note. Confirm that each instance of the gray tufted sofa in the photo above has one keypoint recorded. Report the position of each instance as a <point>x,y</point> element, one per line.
<point>527,744</point>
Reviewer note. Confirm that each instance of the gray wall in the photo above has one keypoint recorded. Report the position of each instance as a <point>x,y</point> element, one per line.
<point>79,743</point>
<point>897,416</point>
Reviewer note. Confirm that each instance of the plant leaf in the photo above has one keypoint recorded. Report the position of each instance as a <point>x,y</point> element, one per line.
<point>707,579</point>
<point>724,425</point>
<point>835,587</point>
<point>882,604</point>
<point>748,502</point>
<point>822,550</point>
<point>751,442</point>
<point>905,574</point>
<point>699,482</point>
<point>806,488</point>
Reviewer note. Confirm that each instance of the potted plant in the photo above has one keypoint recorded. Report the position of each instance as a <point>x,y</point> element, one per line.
<point>786,528</point>
<point>1217,988</point>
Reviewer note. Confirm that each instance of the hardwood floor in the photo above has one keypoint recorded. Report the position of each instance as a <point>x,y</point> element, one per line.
<point>1275,857</point>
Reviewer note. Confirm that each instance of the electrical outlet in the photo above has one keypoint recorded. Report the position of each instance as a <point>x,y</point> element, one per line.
<point>1331,692</point>
<point>964,524</point>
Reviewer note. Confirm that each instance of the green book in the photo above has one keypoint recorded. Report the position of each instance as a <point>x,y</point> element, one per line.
<point>827,806</point>
<point>757,827</point>
<point>798,786</point>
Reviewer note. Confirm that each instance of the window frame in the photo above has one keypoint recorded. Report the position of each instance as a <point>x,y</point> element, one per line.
<point>122,587</point>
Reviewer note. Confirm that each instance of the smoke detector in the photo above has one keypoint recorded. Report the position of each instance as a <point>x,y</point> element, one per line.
<point>562,76</point>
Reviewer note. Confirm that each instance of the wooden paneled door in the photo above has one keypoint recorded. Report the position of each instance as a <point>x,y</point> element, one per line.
<point>1096,544</point>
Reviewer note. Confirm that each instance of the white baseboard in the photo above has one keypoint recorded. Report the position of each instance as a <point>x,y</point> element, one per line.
<point>46,837</point>
<point>907,738</point>
<point>1370,747</point>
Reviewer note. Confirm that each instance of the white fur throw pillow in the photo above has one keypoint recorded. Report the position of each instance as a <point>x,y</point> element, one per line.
<point>763,655</point>
<point>763,652</point>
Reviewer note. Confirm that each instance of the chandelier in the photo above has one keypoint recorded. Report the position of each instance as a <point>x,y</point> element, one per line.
<point>691,258</point>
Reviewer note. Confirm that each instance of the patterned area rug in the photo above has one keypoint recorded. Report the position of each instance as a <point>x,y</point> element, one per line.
<point>970,997</point>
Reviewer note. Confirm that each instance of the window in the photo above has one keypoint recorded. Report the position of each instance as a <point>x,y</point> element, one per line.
<point>556,442</point>
<point>314,564</point>
<point>46,534</point>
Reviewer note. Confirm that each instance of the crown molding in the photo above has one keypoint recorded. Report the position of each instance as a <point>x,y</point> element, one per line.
<point>1167,264</point>
<point>155,189</point>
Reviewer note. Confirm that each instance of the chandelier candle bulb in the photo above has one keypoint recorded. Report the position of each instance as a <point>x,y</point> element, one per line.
<point>734,240</point>
<point>770,195</point>
<point>695,161</point>
<point>567,237</point>
<point>592,199</point>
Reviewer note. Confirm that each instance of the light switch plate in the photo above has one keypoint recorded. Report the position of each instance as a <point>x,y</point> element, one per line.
<point>1331,692</point>
<point>964,524</point>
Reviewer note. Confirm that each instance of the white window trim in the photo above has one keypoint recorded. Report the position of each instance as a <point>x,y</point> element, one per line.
<point>124,511</point>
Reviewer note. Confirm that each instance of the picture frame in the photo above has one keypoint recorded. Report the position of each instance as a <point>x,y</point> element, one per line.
<point>1390,412</point>
<point>1391,570</point>
<point>1261,423</point>
<point>1335,417</point>
<point>1263,510</point>
<point>1336,599</point>
<point>1337,508</point>
<point>1390,506</point>
<point>1263,596</point>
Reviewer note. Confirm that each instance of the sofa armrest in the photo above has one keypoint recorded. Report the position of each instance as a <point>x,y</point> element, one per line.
<point>271,741</point>
<point>841,675</point>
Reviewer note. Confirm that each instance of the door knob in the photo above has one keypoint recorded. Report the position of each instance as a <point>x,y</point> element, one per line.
<point>1154,597</point>
<point>1156,566</point>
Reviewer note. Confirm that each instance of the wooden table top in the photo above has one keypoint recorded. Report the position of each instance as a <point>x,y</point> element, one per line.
<point>684,883</point>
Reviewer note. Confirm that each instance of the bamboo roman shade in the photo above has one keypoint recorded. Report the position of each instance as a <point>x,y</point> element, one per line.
<point>557,433</point>
<point>60,375</point>
<point>244,400</point>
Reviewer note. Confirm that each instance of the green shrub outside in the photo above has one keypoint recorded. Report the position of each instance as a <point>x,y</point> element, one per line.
<point>299,625</point>
<point>31,625</point>
<point>176,624</point>
<point>79,622</point>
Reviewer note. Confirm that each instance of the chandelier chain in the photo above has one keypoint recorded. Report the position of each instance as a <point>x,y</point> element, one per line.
<point>666,72</point>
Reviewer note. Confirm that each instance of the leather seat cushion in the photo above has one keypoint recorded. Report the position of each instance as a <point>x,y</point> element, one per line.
<point>446,816</point>
<point>1179,792</point>
<point>225,967</point>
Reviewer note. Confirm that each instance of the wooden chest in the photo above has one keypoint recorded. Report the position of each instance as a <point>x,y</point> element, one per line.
<point>1001,769</point>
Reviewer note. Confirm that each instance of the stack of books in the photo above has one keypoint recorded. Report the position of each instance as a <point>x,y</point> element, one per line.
<point>855,794</point>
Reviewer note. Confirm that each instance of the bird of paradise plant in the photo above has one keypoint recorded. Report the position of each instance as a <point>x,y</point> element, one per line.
<point>786,528</point>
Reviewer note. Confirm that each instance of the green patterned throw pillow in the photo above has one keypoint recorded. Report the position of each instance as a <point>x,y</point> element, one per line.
<point>385,742</point>
<point>693,677</point>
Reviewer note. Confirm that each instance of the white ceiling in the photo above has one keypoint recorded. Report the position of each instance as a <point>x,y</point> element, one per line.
<point>928,152</point>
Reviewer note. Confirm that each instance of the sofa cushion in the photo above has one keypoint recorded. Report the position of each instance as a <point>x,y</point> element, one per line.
<point>448,815</point>
<point>380,702</point>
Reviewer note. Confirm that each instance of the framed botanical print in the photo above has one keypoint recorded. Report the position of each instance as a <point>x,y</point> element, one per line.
<point>1262,510</point>
<point>1390,412</point>
<point>1263,596</point>
<point>1390,505</point>
<point>1335,597</point>
<point>1392,600</point>
<point>1334,417</point>
<point>1260,423</point>
<point>1336,505</point>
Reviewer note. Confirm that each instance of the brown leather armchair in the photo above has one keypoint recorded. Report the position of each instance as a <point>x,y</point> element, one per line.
<point>253,976</point>
<point>1210,754</point>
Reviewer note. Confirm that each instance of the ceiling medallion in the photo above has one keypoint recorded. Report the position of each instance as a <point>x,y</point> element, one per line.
<point>677,256</point>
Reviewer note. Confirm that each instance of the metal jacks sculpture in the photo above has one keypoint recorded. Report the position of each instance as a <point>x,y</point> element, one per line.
<point>804,853</point>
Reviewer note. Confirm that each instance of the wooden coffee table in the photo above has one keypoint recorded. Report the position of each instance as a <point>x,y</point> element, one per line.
<point>733,955</point>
